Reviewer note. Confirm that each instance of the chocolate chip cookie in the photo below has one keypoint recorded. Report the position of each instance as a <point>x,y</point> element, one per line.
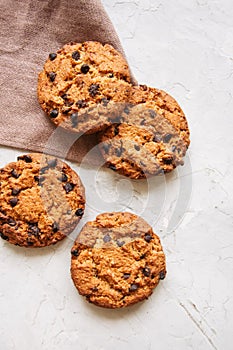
<point>82,86</point>
<point>152,136</point>
<point>41,200</point>
<point>117,260</point>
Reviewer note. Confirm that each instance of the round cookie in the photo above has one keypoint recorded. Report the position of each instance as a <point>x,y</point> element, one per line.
<point>82,85</point>
<point>151,138</point>
<point>41,200</point>
<point>117,260</point>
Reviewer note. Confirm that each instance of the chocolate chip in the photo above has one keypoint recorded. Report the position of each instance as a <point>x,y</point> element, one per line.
<point>126,276</point>
<point>132,164</point>
<point>107,238</point>
<point>76,55</point>
<point>116,130</point>
<point>63,177</point>
<point>111,75</point>
<point>52,76</point>
<point>74,119</point>
<point>68,187</point>
<point>85,68</point>
<point>162,275</point>
<point>29,243</point>
<point>120,243</point>
<point>152,113</point>
<point>13,201</point>
<point>127,110</point>
<point>143,256</point>
<point>95,289</point>
<point>55,227</point>
<point>155,139</point>
<point>111,166</point>
<point>143,87</point>
<point>116,119</point>
<point>36,178</point>
<point>11,222</point>
<point>167,138</point>
<point>79,212</point>
<point>142,122</point>
<point>66,110</point>
<point>168,160</point>
<point>64,96</point>
<point>52,163</point>
<point>133,287</point>
<point>106,147</point>
<point>6,238</point>
<point>118,152</point>
<point>54,113</point>
<point>33,229</point>
<point>75,252</point>
<point>88,298</point>
<point>15,174</point>
<point>137,147</point>
<point>81,103</point>
<point>52,56</point>
<point>26,158</point>
<point>15,191</point>
<point>44,169</point>
<point>93,90</point>
<point>104,101</point>
<point>146,271</point>
<point>148,237</point>
<point>39,179</point>
<point>173,148</point>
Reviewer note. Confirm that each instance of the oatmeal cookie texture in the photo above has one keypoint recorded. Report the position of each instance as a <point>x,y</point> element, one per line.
<point>41,200</point>
<point>117,260</point>
<point>151,137</point>
<point>82,86</point>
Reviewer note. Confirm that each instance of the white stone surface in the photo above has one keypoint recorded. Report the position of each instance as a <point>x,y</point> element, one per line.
<point>186,48</point>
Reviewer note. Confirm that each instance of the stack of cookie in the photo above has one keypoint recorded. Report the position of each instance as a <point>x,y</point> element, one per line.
<point>85,88</point>
<point>117,259</point>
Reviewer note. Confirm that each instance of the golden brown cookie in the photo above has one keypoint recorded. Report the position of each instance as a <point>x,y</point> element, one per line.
<point>151,138</point>
<point>117,260</point>
<point>41,200</point>
<point>82,85</point>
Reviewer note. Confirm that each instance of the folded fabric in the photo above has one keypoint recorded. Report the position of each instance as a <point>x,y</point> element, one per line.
<point>29,31</point>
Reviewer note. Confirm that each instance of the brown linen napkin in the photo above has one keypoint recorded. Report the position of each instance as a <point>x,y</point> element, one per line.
<point>29,31</point>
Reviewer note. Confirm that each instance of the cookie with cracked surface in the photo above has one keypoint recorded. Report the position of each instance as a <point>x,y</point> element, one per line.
<point>153,135</point>
<point>117,260</point>
<point>82,85</point>
<point>163,104</point>
<point>41,200</point>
